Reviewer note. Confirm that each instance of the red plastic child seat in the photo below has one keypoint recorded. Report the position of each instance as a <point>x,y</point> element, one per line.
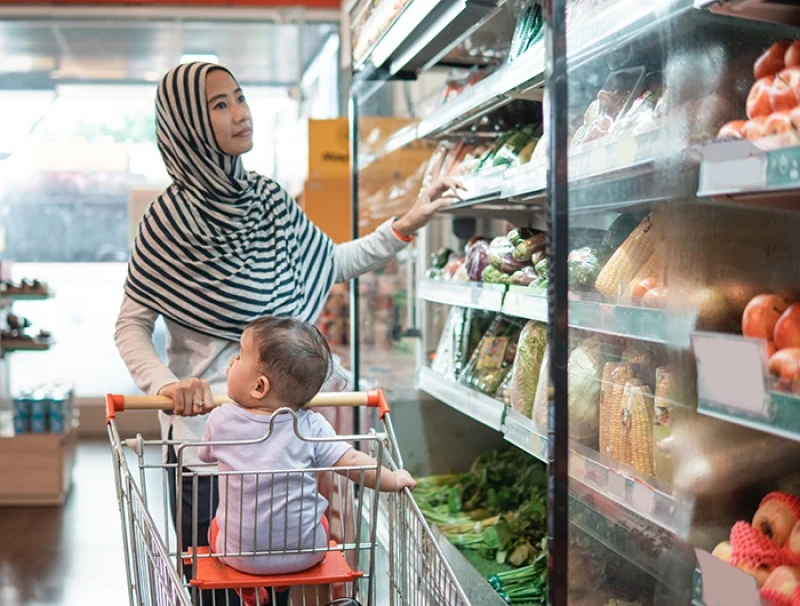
<point>211,573</point>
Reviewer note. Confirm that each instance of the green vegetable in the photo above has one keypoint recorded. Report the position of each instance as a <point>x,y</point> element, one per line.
<point>440,257</point>
<point>541,268</point>
<point>495,276</point>
<point>583,265</point>
<point>524,249</point>
<point>516,236</point>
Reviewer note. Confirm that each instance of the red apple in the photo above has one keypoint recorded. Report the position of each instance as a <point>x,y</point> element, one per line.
<point>732,129</point>
<point>754,129</point>
<point>777,123</point>
<point>758,101</point>
<point>786,364</point>
<point>783,94</point>
<point>761,314</point>
<point>772,60</point>
<point>775,520</point>
<point>793,543</point>
<point>792,56</point>
<point>782,580</point>
<point>723,551</point>
<point>787,328</point>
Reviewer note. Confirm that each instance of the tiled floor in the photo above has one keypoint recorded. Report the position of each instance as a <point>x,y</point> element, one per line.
<point>68,556</point>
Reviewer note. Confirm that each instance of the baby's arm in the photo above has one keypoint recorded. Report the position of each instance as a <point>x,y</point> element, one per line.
<point>206,453</point>
<point>391,481</point>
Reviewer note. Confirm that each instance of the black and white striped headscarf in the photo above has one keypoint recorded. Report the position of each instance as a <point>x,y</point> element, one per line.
<point>221,246</point>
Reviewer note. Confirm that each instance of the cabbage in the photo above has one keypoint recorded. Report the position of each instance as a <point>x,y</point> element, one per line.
<point>527,365</point>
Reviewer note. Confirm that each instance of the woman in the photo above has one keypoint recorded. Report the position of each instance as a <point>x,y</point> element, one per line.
<point>222,246</point>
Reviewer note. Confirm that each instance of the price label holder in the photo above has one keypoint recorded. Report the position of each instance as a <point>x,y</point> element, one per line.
<point>724,585</point>
<point>731,372</point>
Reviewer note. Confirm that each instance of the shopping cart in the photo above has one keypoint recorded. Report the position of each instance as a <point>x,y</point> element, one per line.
<point>160,572</point>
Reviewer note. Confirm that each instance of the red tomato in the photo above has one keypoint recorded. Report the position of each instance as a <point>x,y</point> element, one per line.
<point>758,101</point>
<point>732,129</point>
<point>792,56</point>
<point>772,60</point>
<point>754,129</point>
<point>777,123</point>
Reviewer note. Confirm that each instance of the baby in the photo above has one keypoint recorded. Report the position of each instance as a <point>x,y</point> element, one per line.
<point>282,363</point>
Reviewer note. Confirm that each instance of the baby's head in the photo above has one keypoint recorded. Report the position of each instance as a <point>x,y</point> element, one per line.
<point>282,362</point>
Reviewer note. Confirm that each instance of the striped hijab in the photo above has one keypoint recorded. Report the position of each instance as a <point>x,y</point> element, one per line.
<point>221,246</point>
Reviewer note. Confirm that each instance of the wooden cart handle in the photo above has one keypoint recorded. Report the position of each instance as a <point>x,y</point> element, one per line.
<point>118,403</point>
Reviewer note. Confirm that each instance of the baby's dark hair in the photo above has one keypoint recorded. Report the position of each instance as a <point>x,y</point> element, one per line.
<point>294,356</point>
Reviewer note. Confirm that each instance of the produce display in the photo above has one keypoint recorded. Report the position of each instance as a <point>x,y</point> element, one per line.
<point>773,105</point>
<point>499,510</point>
<point>769,548</point>
<point>774,319</point>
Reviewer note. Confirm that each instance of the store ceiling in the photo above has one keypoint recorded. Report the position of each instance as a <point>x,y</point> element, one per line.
<point>35,52</point>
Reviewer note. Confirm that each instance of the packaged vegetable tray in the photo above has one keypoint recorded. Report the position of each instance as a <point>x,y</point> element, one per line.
<point>462,331</point>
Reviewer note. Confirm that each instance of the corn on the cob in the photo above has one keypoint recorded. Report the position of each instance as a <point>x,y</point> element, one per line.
<point>650,269</point>
<point>619,377</point>
<point>637,417</point>
<point>627,260</point>
<point>606,402</point>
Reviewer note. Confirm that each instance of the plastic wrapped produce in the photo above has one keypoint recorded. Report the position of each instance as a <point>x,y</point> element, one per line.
<point>493,357</point>
<point>583,265</point>
<point>527,365</point>
<point>460,336</point>
<point>524,276</point>
<point>477,259</point>
<point>493,275</point>
<point>524,249</point>
<point>541,398</point>
<point>501,256</point>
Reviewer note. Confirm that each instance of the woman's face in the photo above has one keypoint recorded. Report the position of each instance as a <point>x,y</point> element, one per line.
<point>230,114</point>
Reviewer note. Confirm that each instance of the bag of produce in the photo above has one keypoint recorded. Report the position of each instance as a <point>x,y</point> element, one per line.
<point>477,259</point>
<point>541,400</point>
<point>460,336</point>
<point>492,275</point>
<point>527,247</point>
<point>519,235</point>
<point>501,256</point>
<point>525,374</point>
<point>493,357</point>
<point>523,277</point>
<point>583,266</point>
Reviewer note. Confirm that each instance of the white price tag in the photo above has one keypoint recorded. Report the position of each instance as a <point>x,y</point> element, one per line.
<point>731,371</point>
<point>724,585</point>
<point>643,497</point>
<point>616,484</point>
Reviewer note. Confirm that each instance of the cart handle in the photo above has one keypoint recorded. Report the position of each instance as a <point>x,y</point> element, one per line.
<point>375,398</point>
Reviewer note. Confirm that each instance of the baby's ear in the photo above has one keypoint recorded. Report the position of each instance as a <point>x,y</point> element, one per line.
<point>261,388</point>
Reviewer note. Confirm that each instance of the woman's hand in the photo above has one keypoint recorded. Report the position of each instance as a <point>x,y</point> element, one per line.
<point>404,480</point>
<point>440,194</point>
<point>190,397</point>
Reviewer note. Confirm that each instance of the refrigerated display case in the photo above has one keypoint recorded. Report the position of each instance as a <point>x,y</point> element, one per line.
<point>617,295</point>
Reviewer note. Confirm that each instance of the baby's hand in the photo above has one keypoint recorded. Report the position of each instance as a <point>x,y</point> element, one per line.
<point>404,480</point>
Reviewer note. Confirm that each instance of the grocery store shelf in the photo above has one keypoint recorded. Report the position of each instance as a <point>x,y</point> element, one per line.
<point>763,10</point>
<point>423,32</point>
<point>469,402</point>
<point>641,495</point>
<point>491,93</point>
<point>5,297</point>
<point>523,433</point>
<point>589,312</point>
<point>734,385</point>
<point>463,294</point>
<point>739,169</point>
<point>19,346</point>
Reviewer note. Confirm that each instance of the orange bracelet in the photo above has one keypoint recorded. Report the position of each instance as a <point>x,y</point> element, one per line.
<point>400,236</point>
